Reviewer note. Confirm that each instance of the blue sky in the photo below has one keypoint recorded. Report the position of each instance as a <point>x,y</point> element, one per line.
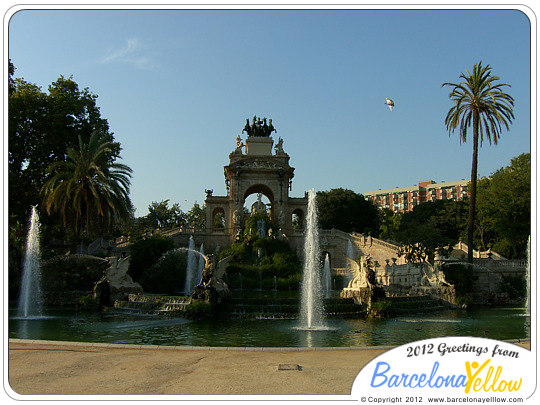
<point>176,87</point>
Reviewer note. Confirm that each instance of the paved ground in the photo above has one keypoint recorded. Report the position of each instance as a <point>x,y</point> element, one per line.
<point>38,367</point>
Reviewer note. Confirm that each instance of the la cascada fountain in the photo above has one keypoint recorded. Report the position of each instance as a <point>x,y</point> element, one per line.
<point>340,273</point>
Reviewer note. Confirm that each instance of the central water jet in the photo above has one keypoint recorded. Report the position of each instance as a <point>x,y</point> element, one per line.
<point>191,268</point>
<point>30,300</point>
<point>311,308</point>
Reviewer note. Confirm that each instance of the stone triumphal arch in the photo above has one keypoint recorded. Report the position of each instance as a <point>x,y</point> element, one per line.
<point>255,167</point>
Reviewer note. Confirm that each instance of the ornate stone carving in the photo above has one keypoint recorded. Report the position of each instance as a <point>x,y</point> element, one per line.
<point>120,283</point>
<point>236,218</point>
<point>259,164</point>
<point>212,287</point>
<point>363,274</point>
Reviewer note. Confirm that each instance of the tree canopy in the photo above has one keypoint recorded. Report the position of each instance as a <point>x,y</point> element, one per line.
<point>504,208</point>
<point>160,215</point>
<point>347,211</point>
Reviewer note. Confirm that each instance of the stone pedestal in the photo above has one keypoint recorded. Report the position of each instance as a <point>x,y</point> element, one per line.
<point>364,295</point>
<point>259,145</point>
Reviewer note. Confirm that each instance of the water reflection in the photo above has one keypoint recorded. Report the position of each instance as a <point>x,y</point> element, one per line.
<point>496,323</point>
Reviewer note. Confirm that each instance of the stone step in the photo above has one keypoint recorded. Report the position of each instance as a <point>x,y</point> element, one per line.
<point>158,298</point>
<point>148,304</point>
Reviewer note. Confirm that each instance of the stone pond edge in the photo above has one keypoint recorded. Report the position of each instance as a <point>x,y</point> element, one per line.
<point>214,348</point>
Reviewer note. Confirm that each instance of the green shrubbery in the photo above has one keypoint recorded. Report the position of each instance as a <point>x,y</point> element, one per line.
<point>198,309</point>
<point>382,309</point>
<point>87,302</point>
<point>266,257</point>
<point>462,277</point>
<point>514,286</point>
<point>69,273</point>
<point>167,275</point>
<point>146,252</point>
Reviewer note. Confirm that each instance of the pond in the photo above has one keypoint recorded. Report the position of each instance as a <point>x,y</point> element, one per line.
<point>496,323</point>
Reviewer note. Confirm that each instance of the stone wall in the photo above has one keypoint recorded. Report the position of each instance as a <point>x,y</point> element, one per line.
<point>64,298</point>
<point>336,243</point>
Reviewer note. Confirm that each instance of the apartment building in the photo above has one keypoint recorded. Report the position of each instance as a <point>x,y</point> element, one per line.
<point>403,199</point>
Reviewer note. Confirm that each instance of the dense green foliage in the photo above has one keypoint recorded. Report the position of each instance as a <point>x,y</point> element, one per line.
<point>161,216</point>
<point>67,273</point>
<point>431,225</point>
<point>347,211</point>
<point>478,102</point>
<point>257,260</point>
<point>144,253</point>
<point>167,275</point>
<point>196,217</point>
<point>514,286</point>
<point>504,209</point>
<point>198,309</point>
<point>390,223</point>
<point>462,277</point>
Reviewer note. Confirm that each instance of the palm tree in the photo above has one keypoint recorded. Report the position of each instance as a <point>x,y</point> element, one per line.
<point>479,101</point>
<point>88,190</point>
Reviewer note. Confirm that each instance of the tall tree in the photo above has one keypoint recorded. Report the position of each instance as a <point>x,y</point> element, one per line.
<point>481,103</point>
<point>88,190</point>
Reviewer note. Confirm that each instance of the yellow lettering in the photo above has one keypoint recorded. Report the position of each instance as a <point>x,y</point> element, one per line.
<point>497,374</point>
<point>488,376</point>
<point>516,386</point>
<point>487,384</point>
<point>470,375</point>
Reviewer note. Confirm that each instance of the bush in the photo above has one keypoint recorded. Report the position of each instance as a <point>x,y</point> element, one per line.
<point>87,302</point>
<point>382,309</point>
<point>461,276</point>
<point>514,286</point>
<point>240,252</point>
<point>69,273</point>
<point>279,260</point>
<point>167,275</point>
<point>198,309</point>
<point>145,252</point>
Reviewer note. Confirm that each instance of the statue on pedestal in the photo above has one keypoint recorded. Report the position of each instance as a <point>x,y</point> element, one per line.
<point>239,145</point>
<point>279,147</point>
<point>212,287</point>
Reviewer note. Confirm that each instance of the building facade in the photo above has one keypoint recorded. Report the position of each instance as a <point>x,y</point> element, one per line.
<point>404,199</point>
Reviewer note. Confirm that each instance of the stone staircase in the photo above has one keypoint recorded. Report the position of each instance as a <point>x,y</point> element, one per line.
<point>269,308</point>
<point>151,305</point>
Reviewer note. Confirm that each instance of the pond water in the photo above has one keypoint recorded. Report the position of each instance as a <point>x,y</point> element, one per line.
<point>495,323</point>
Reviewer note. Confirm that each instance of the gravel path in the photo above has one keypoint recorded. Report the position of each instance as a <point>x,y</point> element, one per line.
<point>40,367</point>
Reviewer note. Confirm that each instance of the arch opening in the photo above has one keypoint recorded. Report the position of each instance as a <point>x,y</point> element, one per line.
<point>297,219</point>
<point>218,219</point>
<point>257,198</point>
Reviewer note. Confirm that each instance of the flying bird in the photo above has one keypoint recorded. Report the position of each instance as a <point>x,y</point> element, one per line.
<point>389,103</point>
